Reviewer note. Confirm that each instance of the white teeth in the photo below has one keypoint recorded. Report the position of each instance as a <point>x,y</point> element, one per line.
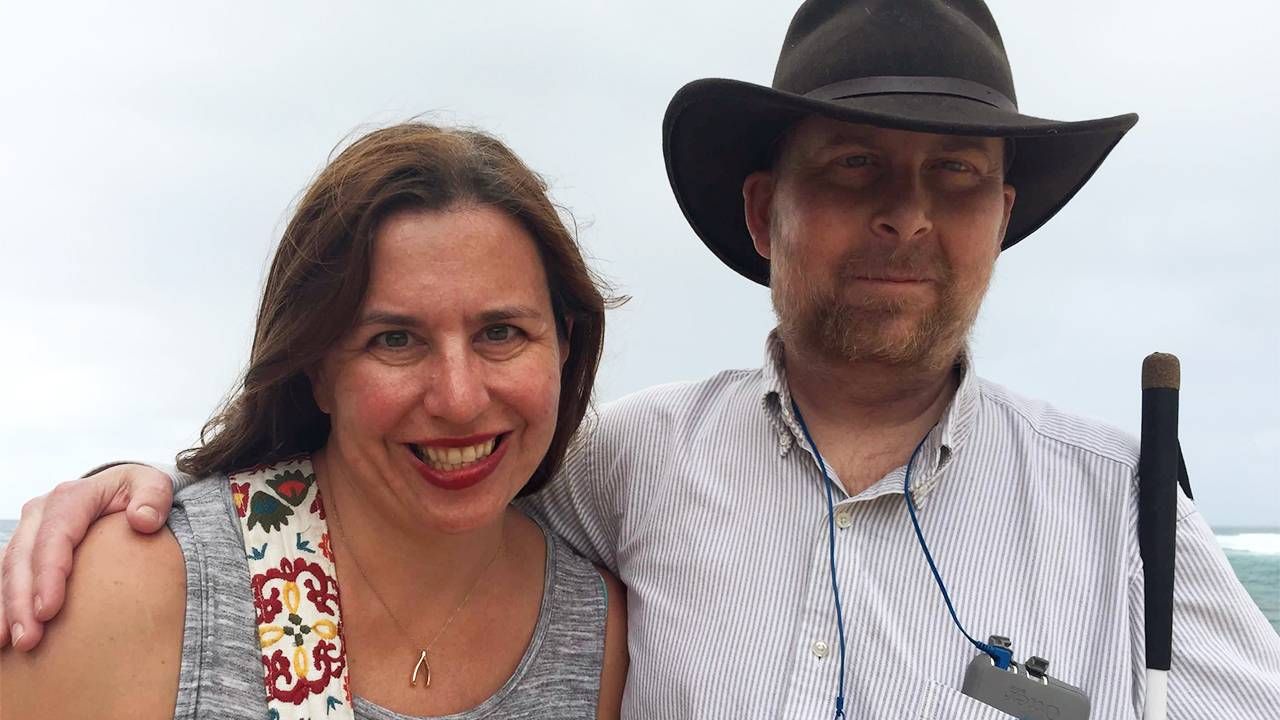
<point>454,458</point>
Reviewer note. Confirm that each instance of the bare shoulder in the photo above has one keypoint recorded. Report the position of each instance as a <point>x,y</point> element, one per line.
<point>613,673</point>
<point>118,639</point>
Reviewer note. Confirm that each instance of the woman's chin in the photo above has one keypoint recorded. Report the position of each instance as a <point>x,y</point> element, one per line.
<point>457,512</point>
<point>464,520</point>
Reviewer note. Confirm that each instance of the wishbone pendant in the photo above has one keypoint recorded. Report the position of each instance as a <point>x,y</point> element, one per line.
<point>422,665</point>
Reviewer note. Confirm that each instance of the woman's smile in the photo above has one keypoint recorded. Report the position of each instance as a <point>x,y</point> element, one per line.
<point>457,464</point>
<point>453,453</point>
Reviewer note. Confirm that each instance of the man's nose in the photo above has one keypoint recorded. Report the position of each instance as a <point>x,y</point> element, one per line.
<point>456,391</point>
<point>904,212</point>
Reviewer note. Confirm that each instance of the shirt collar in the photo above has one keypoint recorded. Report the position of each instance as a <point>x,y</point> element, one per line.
<point>776,399</point>
<point>940,446</point>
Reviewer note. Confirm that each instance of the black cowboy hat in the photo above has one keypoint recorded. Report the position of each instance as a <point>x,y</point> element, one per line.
<point>936,66</point>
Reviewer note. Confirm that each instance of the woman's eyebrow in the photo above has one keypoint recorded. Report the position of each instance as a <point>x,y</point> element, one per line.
<point>498,314</point>
<point>386,317</point>
<point>510,312</point>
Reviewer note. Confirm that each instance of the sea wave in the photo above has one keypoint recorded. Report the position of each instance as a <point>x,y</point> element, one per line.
<point>1253,543</point>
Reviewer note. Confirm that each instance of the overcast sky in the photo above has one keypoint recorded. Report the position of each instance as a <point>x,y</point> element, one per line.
<point>149,153</point>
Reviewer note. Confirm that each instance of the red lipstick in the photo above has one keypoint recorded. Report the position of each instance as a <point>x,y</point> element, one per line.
<point>462,478</point>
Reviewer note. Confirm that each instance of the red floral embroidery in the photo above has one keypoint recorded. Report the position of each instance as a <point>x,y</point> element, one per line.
<point>240,494</point>
<point>322,590</point>
<point>295,592</point>
<point>281,683</point>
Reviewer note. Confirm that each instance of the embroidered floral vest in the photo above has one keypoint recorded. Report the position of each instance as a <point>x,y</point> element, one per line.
<point>295,591</point>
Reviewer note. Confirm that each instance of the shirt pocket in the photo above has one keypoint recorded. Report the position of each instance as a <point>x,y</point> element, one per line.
<point>939,702</point>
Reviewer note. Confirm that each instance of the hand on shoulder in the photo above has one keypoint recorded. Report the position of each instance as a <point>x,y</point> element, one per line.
<point>114,650</point>
<point>38,557</point>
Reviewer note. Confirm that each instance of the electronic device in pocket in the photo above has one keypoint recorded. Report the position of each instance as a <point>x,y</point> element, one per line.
<point>1024,691</point>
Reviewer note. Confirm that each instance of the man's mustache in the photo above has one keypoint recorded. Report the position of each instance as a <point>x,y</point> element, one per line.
<point>901,262</point>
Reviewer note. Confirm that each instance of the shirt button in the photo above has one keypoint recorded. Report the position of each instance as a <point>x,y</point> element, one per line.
<point>819,649</point>
<point>844,519</point>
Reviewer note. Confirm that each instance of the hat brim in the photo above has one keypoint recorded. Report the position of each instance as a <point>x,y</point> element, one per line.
<point>717,132</point>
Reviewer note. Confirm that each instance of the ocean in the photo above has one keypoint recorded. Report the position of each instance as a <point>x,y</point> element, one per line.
<point>1254,554</point>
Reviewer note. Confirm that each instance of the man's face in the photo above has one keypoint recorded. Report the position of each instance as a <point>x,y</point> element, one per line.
<point>881,242</point>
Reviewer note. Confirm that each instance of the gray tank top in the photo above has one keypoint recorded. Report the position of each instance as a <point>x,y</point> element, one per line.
<point>221,674</point>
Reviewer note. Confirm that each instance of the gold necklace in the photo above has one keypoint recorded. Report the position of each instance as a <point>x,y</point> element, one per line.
<point>422,665</point>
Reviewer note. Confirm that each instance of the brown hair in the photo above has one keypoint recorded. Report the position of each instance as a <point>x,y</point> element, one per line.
<point>320,273</point>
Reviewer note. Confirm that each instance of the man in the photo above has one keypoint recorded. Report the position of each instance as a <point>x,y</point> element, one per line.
<point>758,517</point>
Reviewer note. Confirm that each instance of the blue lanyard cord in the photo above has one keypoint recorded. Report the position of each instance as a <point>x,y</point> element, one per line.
<point>831,546</point>
<point>1001,656</point>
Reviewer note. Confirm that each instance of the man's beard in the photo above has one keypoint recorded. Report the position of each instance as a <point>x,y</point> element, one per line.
<point>824,319</point>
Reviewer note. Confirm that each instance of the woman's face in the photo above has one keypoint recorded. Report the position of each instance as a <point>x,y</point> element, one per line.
<point>443,397</point>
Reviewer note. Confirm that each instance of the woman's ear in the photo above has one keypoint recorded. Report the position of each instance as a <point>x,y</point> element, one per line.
<point>564,341</point>
<point>321,390</point>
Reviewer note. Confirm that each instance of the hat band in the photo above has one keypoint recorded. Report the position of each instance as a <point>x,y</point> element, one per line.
<point>913,85</point>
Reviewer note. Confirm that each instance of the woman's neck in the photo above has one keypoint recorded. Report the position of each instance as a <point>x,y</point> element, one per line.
<point>374,535</point>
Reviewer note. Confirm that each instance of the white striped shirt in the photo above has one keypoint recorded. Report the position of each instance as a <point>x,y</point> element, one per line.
<point>706,502</point>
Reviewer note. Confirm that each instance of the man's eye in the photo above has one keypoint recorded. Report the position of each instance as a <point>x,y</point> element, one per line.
<point>392,339</point>
<point>855,161</point>
<point>956,166</point>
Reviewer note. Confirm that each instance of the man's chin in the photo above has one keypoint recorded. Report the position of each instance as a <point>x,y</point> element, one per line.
<point>897,341</point>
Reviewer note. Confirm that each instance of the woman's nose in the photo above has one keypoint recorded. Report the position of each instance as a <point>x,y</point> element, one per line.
<point>457,393</point>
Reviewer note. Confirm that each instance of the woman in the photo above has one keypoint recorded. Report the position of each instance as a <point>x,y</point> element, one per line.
<point>425,347</point>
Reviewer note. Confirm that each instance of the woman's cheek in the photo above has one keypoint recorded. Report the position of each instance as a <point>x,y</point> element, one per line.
<point>378,396</point>
<point>537,390</point>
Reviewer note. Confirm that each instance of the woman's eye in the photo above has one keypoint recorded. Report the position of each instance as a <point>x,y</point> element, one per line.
<point>392,339</point>
<point>499,333</point>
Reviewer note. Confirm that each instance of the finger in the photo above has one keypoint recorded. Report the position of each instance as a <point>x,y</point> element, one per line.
<point>68,512</point>
<point>150,498</point>
<point>22,629</point>
<point>4,626</point>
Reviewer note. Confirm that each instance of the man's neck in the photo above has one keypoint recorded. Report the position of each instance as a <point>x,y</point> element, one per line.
<point>867,417</point>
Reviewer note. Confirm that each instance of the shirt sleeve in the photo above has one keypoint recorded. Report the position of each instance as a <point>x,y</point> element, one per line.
<point>1226,655</point>
<point>179,479</point>
<point>579,502</point>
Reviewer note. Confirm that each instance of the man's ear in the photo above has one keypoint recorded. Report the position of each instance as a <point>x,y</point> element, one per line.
<point>757,206</point>
<point>1010,193</point>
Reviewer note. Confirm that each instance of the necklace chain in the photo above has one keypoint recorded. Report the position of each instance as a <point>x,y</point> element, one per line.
<point>422,660</point>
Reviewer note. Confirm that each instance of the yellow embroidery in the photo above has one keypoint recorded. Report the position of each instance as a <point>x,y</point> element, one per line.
<point>291,597</point>
<point>269,635</point>
<point>326,629</point>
